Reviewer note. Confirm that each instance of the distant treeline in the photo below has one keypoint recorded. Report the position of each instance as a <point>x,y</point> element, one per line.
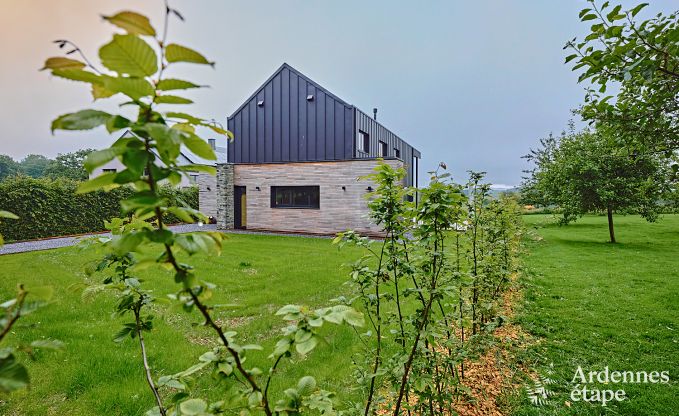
<point>65,165</point>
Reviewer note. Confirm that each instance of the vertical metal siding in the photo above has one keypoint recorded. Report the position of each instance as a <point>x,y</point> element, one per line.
<point>379,133</point>
<point>288,128</point>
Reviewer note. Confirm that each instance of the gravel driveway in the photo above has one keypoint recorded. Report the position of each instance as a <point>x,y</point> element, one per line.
<point>58,242</point>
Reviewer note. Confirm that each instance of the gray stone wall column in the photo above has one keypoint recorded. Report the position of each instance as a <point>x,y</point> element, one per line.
<point>225,174</point>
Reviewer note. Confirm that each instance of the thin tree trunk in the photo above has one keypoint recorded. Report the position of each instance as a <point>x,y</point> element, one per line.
<point>611,231</point>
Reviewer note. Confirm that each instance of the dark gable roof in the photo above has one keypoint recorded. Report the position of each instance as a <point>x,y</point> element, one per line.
<point>291,69</point>
<point>315,84</point>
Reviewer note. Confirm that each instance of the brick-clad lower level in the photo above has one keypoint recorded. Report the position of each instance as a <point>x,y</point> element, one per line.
<point>340,209</point>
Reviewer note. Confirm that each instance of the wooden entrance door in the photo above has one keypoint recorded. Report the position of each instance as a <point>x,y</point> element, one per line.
<point>239,207</point>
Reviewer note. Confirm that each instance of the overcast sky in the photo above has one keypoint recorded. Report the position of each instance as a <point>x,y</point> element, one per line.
<point>472,83</point>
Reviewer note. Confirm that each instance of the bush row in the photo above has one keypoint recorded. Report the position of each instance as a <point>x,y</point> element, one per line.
<point>48,208</point>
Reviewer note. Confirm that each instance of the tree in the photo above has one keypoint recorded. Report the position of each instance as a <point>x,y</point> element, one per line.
<point>587,172</point>
<point>34,165</point>
<point>69,165</point>
<point>8,167</point>
<point>641,58</point>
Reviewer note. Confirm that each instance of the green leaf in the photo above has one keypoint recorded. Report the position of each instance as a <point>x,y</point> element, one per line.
<point>13,376</point>
<point>188,117</point>
<point>306,346</point>
<point>77,75</point>
<point>198,168</point>
<point>61,62</point>
<point>353,317</point>
<point>306,385</point>
<point>99,91</point>
<point>587,17</point>
<point>175,84</point>
<point>199,147</point>
<point>134,88</point>
<point>193,407</point>
<point>130,55</point>
<point>101,157</point>
<point>7,214</point>
<point>177,53</point>
<point>116,123</point>
<point>637,9</point>
<point>133,23</point>
<point>82,120</point>
<point>172,99</point>
<point>103,181</point>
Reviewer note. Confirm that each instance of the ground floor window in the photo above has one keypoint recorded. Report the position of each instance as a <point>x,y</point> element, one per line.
<point>295,197</point>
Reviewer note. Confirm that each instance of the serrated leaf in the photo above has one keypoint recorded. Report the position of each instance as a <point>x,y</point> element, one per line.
<point>172,99</point>
<point>82,120</point>
<point>306,385</point>
<point>178,53</point>
<point>199,147</point>
<point>175,84</point>
<point>184,116</point>
<point>133,23</point>
<point>130,55</point>
<point>134,88</point>
<point>99,91</point>
<point>637,9</point>
<point>60,62</point>
<point>77,75</point>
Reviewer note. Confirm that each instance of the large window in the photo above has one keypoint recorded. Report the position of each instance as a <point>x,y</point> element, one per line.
<point>363,141</point>
<point>295,197</point>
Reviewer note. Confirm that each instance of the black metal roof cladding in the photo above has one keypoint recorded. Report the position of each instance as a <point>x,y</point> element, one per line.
<point>317,85</point>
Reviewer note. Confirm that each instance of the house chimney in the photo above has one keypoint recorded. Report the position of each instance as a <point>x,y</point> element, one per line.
<point>375,114</point>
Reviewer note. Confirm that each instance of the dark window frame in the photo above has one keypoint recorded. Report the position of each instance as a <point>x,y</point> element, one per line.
<point>364,142</point>
<point>397,153</point>
<point>293,201</point>
<point>382,149</point>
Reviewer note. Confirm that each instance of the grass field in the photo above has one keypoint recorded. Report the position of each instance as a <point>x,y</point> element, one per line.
<point>95,376</point>
<point>597,304</point>
<point>589,303</point>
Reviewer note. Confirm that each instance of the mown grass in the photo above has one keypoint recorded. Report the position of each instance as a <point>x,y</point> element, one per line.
<point>596,304</point>
<point>588,302</point>
<point>95,376</point>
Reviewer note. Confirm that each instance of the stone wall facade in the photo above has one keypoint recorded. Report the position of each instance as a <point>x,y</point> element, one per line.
<point>343,203</point>
<point>224,191</point>
<point>207,194</point>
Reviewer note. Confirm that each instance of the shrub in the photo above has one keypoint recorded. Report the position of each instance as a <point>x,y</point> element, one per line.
<point>48,208</point>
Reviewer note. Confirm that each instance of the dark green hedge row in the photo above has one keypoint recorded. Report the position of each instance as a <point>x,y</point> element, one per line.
<point>48,208</point>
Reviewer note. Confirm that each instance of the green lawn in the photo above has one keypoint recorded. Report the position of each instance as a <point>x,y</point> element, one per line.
<point>597,304</point>
<point>590,303</point>
<point>95,376</point>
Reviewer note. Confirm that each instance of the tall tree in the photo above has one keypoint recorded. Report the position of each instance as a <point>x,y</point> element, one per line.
<point>34,165</point>
<point>587,172</point>
<point>641,59</point>
<point>69,165</point>
<point>8,167</point>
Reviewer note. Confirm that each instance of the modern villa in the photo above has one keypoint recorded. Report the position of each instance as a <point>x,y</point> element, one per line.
<point>296,159</point>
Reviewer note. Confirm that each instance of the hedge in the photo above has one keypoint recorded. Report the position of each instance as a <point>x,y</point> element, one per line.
<point>48,208</point>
